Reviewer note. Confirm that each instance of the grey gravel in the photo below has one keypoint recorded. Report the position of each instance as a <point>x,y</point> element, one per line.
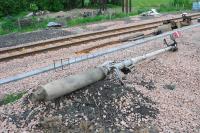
<point>22,38</point>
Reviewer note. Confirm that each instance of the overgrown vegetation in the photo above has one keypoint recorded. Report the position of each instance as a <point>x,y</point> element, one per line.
<point>79,21</point>
<point>10,98</point>
<point>8,7</point>
<point>162,5</point>
<point>10,25</point>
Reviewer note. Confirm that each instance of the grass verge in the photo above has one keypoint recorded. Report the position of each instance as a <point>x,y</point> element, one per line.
<point>10,25</point>
<point>79,21</point>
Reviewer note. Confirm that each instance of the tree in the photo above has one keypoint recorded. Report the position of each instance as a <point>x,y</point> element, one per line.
<point>33,8</point>
<point>83,3</point>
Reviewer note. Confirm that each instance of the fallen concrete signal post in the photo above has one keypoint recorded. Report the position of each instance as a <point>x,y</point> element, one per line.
<point>72,83</point>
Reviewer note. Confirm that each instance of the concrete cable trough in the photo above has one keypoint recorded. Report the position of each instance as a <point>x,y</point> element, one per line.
<point>89,56</point>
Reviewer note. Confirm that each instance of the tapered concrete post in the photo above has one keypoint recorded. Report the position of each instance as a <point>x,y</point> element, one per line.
<point>69,84</point>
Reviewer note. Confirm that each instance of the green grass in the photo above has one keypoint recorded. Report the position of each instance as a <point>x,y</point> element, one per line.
<point>148,3</point>
<point>10,98</point>
<point>10,25</point>
<point>115,16</point>
<point>87,20</point>
<point>160,5</point>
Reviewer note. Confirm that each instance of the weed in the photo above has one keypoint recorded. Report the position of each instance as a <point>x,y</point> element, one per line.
<point>10,98</point>
<point>11,25</point>
<point>87,20</point>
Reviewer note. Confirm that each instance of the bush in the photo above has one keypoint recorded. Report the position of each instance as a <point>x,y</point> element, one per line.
<point>1,14</point>
<point>33,7</point>
<point>166,8</point>
<point>186,4</point>
<point>119,15</point>
<point>8,7</point>
<point>8,25</point>
<point>53,5</point>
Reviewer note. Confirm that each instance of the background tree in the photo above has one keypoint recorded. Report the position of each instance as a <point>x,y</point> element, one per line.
<point>8,7</point>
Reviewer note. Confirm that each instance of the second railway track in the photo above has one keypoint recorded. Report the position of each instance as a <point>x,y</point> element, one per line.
<point>53,44</point>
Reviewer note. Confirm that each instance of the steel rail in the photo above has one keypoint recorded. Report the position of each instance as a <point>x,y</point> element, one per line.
<point>53,44</point>
<point>9,54</point>
<point>89,56</point>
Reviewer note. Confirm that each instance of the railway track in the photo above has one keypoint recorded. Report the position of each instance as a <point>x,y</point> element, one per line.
<point>54,44</point>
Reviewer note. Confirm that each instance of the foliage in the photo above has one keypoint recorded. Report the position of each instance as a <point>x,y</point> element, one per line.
<point>51,5</point>
<point>8,7</point>
<point>33,7</point>
<point>161,5</point>
<point>144,4</point>
<point>182,3</point>
<point>11,26</point>
<point>79,21</point>
<point>10,98</point>
<point>8,25</point>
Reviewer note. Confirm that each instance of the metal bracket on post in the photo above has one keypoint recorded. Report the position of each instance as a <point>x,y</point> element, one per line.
<point>174,43</point>
<point>61,63</point>
<point>117,71</point>
<point>126,70</point>
<point>118,75</point>
<point>55,62</point>
<point>109,65</point>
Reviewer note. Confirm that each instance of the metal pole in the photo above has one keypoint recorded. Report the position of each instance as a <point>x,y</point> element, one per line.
<point>61,62</point>
<point>130,62</point>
